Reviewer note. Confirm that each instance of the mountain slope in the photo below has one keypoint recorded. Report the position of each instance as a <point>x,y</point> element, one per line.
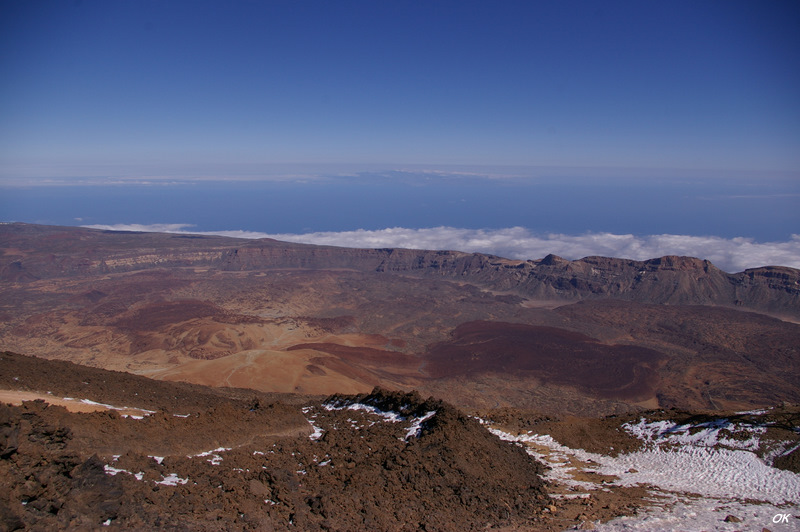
<point>43,252</point>
<point>382,461</point>
<point>592,336</point>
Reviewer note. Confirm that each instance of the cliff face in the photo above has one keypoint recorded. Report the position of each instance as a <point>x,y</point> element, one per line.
<point>666,280</point>
<point>33,252</point>
<point>479,330</point>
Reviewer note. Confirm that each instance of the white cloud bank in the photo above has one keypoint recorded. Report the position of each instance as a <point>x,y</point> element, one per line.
<point>729,254</point>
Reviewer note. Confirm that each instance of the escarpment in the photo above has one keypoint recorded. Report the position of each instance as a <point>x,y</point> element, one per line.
<point>78,252</point>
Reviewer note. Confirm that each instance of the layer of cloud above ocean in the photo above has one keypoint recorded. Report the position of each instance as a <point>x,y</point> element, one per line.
<point>729,254</point>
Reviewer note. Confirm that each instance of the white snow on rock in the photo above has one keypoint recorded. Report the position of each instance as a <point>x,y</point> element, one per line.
<point>717,473</point>
<point>416,425</point>
<point>705,514</point>
<point>112,407</point>
<point>142,411</point>
<point>317,434</point>
<point>559,458</point>
<point>172,480</point>
<point>702,484</point>
<point>752,412</point>
<point>113,471</point>
<point>390,416</point>
<point>215,459</point>
<point>708,434</point>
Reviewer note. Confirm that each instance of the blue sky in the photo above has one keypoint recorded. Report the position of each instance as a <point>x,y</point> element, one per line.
<point>172,85</point>
<point>571,118</point>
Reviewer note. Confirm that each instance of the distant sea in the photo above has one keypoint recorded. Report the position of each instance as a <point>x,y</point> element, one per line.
<point>765,211</point>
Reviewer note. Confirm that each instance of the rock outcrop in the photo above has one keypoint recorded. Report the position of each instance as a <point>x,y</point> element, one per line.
<point>391,462</point>
<point>76,252</point>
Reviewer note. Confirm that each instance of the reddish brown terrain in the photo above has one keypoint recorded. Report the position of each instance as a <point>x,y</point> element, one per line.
<point>177,456</point>
<point>224,459</point>
<point>225,350</point>
<point>593,336</point>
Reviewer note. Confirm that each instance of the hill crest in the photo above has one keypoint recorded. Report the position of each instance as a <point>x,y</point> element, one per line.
<point>35,252</point>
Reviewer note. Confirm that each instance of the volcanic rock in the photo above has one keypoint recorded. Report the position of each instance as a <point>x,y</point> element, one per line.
<point>429,467</point>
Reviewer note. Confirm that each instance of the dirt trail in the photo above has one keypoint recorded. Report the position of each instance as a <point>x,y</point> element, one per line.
<point>16,397</point>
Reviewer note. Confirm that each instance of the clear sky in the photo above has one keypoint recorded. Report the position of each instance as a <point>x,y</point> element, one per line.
<point>166,87</point>
<point>626,128</point>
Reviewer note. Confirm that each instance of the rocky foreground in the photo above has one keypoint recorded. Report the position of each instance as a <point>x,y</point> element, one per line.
<point>379,461</point>
<point>176,456</point>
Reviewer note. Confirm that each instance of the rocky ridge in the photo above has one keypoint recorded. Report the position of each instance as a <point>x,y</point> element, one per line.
<point>75,252</point>
<point>380,461</point>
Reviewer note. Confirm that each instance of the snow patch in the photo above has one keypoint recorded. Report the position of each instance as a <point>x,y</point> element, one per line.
<point>708,434</point>
<point>728,481</point>
<point>114,471</point>
<point>390,416</point>
<point>752,413</point>
<point>144,411</point>
<point>318,432</point>
<point>715,473</point>
<point>562,461</point>
<point>416,426</point>
<point>701,514</point>
<point>172,480</point>
<point>215,459</point>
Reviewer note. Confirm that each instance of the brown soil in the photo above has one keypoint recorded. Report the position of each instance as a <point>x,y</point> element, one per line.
<point>65,379</point>
<point>481,332</point>
<point>554,355</point>
<point>454,476</point>
<point>363,473</point>
<point>15,397</point>
<point>384,363</point>
<point>249,464</point>
<point>789,462</point>
<point>596,435</point>
<point>349,320</point>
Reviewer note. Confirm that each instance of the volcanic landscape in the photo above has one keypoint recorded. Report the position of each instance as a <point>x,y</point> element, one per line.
<point>257,384</point>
